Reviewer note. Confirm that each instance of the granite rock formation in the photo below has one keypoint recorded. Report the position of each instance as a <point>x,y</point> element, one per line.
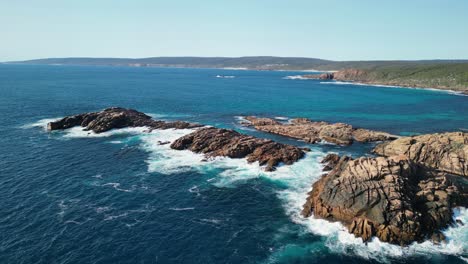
<point>214,142</point>
<point>392,198</point>
<point>317,131</point>
<point>447,152</point>
<point>115,117</point>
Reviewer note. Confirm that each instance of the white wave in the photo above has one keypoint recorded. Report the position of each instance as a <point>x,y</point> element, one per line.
<point>395,86</point>
<point>225,76</point>
<point>212,221</point>
<point>241,119</point>
<point>40,123</point>
<point>102,209</point>
<point>112,217</point>
<point>296,77</point>
<point>298,179</point>
<point>116,186</point>
<point>339,240</point>
<point>182,209</point>
<point>240,123</point>
<point>282,118</point>
<point>80,132</point>
<point>235,68</point>
<point>167,116</point>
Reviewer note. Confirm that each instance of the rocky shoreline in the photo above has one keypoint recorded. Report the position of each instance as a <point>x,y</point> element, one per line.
<point>212,142</point>
<point>317,131</point>
<point>392,198</point>
<point>115,117</point>
<point>406,194</point>
<point>215,142</point>
<point>363,77</point>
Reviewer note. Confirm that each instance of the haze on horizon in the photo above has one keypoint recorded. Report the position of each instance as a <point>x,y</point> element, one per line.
<point>335,30</point>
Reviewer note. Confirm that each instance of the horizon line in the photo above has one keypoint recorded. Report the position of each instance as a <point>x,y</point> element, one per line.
<point>238,57</point>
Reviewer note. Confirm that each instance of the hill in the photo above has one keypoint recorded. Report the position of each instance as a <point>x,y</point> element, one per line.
<point>442,74</point>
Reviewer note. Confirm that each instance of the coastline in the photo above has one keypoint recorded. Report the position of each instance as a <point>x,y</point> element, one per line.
<point>295,77</point>
<point>378,84</point>
<point>346,77</point>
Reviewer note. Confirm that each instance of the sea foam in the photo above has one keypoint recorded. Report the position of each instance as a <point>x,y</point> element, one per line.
<point>395,86</point>
<point>296,77</point>
<point>298,179</point>
<point>80,132</point>
<point>42,123</point>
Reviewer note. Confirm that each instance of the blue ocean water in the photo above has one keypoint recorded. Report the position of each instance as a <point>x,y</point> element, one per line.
<point>119,197</point>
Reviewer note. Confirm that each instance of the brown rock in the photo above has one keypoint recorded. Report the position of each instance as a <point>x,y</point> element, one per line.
<point>215,142</point>
<point>322,76</point>
<point>365,135</point>
<point>115,117</point>
<point>343,75</point>
<point>385,197</point>
<point>313,132</point>
<point>446,152</point>
<point>330,161</point>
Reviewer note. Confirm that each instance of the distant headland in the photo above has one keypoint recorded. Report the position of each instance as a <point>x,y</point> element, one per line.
<point>439,74</point>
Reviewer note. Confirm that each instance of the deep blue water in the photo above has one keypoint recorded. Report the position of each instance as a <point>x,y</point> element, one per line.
<point>67,197</point>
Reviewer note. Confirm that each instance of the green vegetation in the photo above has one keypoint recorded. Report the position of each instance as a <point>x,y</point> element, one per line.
<point>442,75</point>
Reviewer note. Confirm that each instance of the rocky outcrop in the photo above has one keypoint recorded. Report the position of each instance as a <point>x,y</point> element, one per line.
<point>392,198</point>
<point>214,142</point>
<point>343,75</point>
<point>322,76</point>
<point>313,131</point>
<point>447,152</point>
<point>115,117</point>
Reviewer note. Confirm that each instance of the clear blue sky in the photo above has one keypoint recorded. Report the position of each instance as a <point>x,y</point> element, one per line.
<point>334,29</point>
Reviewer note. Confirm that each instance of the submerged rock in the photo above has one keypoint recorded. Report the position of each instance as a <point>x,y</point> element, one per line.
<point>392,198</point>
<point>313,132</point>
<point>446,152</point>
<point>214,142</point>
<point>115,117</point>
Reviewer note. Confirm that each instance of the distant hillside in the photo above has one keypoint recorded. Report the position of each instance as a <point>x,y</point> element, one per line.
<point>451,76</point>
<point>443,74</point>
<point>255,63</point>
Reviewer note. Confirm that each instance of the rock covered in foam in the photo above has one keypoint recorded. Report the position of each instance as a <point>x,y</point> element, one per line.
<point>313,131</point>
<point>446,152</point>
<point>214,142</point>
<point>112,118</point>
<point>391,198</point>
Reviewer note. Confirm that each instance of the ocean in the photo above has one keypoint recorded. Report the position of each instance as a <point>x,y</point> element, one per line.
<point>119,197</point>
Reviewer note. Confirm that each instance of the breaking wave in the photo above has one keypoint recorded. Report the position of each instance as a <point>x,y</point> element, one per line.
<point>296,77</point>
<point>297,178</point>
<point>394,86</point>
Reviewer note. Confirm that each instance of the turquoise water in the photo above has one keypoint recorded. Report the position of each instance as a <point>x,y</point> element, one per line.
<point>70,197</point>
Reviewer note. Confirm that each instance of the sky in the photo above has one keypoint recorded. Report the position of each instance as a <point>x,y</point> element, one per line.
<point>333,29</point>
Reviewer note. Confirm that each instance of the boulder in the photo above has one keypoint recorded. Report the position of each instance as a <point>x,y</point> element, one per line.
<point>447,152</point>
<point>330,161</point>
<point>214,142</point>
<point>392,198</point>
<point>113,118</point>
<point>313,131</point>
